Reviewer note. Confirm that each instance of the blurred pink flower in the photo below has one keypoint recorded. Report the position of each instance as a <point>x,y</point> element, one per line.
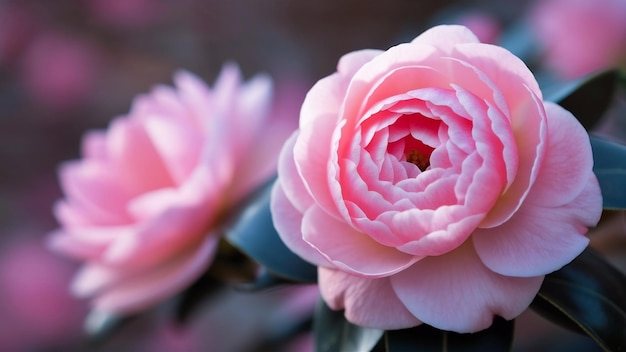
<point>59,71</point>
<point>578,37</point>
<point>36,303</point>
<point>143,205</point>
<point>126,13</point>
<point>484,26</point>
<point>430,183</point>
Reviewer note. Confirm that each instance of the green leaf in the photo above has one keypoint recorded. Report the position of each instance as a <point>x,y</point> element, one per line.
<point>610,168</point>
<point>252,231</point>
<point>587,98</point>
<point>587,295</point>
<point>189,301</point>
<point>424,338</point>
<point>263,280</point>
<point>333,333</point>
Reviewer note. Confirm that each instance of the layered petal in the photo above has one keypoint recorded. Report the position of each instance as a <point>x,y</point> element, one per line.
<point>367,302</point>
<point>94,145</point>
<point>259,161</point>
<point>288,223</point>
<point>133,158</point>
<point>312,153</point>
<point>531,136</point>
<point>60,241</point>
<point>538,240</point>
<point>457,292</point>
<point>352,62</point>
<point>178,145</point>
<point>508,72</point>
<point>87,187</point>
<point>137,292</point>
<point>291,183</point>
<point>355,102</point>
<point>173,226</point>
<point>568,162</point>
<point>349,249</point>
<point>446,37</point>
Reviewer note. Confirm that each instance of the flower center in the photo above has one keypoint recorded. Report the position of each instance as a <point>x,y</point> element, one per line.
<point>418,158</point>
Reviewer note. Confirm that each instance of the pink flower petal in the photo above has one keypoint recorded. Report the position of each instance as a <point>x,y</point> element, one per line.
<point>238,112</point>
<point>151,204</point>
<point>353,61</point>
<point>226,86</point>
<point>251,116</point>
<point>492,136</point>
<point>508,72</point>
<point>530,130</point>
<point>89,186</point>
<point>158,238</point>
<point>73,216</point>
<point>538,240</point>
<point>269,131</point>
<point>259,160</point>
<point>446,37</point>
<point>367,302</point>
<point>139,292</point>
<point>400,81</point>
<point>456,292</point>
<point>132,159</point>
<point>192,101</point>
<point>93,278</point>
<point>163,100</point>
<point>94,145</point>
<point>177,144</point>
<point>568,162</point>
<point>288,223</point>
<point>440,241</point>
<point>98,237</point>
<point>318,120</point>
<point>194,206</point>
<point>59,241</point>
<point>368,76</point>
<point>290,180</point>
<point>350,250</point>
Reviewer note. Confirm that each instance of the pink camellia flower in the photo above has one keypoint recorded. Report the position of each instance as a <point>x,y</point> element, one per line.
<point>431,183</point>
<point>142,206</point>
<point>580,36</point>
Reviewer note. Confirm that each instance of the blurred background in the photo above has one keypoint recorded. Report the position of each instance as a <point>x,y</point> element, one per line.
<point>69,66</point>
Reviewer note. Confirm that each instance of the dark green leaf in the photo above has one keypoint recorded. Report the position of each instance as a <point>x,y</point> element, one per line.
<point>333,333</point>
<point>587,98</point>
<point>587,295</point>
<point>252,231</point>
<point>194,296</point>
<point>424,338</point>
<point>263,280</point>
<point>610,169</point>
